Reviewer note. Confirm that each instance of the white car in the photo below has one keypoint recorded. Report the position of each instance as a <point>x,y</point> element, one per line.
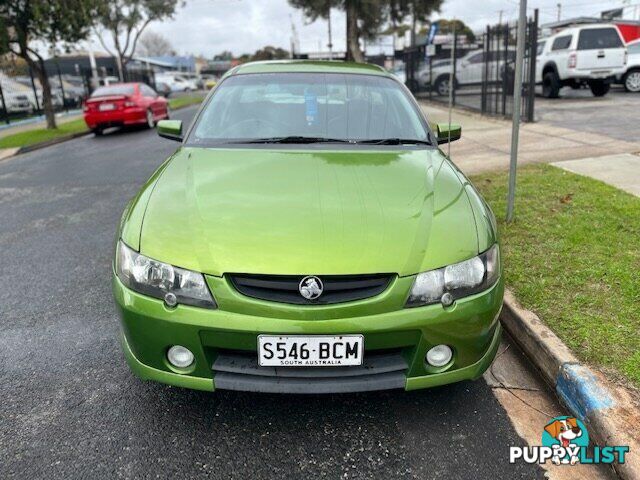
<point>469,69</point>
<point>16,102</point>
<point>592,55</point>
<point>177,83</point>
<point>631,77</point>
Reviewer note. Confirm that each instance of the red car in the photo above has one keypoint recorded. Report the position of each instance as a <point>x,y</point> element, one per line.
<point>124,104</point>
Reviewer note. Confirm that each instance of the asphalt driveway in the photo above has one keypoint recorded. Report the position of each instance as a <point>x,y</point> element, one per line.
<point>70,408</point>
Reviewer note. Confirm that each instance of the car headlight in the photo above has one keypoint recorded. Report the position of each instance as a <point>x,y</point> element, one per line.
<point>160,280</point>
<point>458,280</point>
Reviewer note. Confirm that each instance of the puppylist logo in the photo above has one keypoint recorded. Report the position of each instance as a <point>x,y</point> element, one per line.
<point>565,441</point>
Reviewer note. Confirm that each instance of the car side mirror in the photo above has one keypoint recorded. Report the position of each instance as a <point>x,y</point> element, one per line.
<point>446,132</point>
<point>171,129</point>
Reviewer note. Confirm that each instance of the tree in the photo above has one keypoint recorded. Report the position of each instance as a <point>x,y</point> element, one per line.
<point>270,53</point>
<point>23,22</point>
<point>364,18</point>
<point>446,26</point>
<point>153,44</point>
<point>417,11</point>
<point>125,20</point>
<point>224,55</point>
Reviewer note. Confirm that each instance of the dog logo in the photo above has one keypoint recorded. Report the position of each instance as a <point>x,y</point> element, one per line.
<point>310,287</point>
<point>566,432</point>
<point>565,441</point>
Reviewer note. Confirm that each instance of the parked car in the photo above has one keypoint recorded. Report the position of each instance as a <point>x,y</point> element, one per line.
<point>163,89</point>
<point>631,77</point>
<point>469,69</point>
<point>16,103</point>
<point>308,236</point>
<point>124,104</point>
<point>592,55</point>
<point>177,83</point>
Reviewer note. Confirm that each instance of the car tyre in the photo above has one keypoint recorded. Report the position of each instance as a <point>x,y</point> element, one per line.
<point>442,85</point>
<point>599,88</point>
<point>631,80</point>
<point>98,132</point>
<point>150,121</point>
<point>550,85</point>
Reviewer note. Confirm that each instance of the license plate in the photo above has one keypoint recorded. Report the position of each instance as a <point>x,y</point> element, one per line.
<point>313,351</point>
<point>106,106</point>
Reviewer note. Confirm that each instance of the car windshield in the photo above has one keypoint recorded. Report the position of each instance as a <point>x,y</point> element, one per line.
<point>309,108</point>
<point>113,90</point>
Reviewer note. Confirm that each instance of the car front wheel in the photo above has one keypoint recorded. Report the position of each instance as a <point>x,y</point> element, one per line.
<point>150,122</point>
<point>599,88</point>
<point>631,81</point>
<point>442,85</point>
<point>550,85</point>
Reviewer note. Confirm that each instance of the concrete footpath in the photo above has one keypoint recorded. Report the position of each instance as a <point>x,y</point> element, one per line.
<point>486,142</point>
<point>621,170</point>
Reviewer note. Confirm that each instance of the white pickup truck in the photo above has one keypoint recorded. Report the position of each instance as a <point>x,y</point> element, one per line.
<point>590,55</point>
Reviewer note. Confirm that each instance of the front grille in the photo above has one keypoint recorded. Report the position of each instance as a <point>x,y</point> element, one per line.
<point>285,288</point>
<point>383,370</point>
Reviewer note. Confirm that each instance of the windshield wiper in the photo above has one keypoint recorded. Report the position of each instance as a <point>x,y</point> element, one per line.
<point>293,139</point>
<point>394,141</point>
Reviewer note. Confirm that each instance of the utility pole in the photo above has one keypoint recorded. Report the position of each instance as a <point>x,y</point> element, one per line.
<point>559,10</point>
<point>517,103</point>
<point>500,17</point>
<point>330,44</point>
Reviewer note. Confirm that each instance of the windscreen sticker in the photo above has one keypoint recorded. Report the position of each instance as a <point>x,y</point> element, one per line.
<point>311,107</point>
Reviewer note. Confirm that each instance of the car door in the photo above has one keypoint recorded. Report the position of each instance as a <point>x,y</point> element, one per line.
<point>151,99</point>
<point>559,53</point>
<point>471,68</point>
<point>541,53</point>
<point>600,48</point>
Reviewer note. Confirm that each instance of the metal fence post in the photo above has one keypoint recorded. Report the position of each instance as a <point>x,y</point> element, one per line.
<point>485,73</point>
<point>35,92</point>
<point>64,103</point>
<point>452,83</point>
<point>533,53</point>
<point>4,105</point>
<point>505,79</point>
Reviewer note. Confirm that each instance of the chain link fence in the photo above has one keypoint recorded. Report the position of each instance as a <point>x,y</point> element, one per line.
<point>483,69</point>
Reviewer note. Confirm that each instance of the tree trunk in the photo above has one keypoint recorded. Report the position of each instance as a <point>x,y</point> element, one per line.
<point>353,35</point>
<point>47,103</point>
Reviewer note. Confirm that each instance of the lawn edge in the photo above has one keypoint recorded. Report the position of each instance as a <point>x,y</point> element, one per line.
<point>607,409</point>
<point>61,139</point>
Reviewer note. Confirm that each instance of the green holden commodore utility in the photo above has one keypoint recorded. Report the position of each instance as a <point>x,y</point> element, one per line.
<point>308,236</point>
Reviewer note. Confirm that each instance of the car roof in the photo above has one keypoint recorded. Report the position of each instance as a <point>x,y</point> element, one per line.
<point>308,66</point>
<point>586,26</point>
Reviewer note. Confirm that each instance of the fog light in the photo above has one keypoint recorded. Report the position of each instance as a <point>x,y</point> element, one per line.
<point>439,356</point>
<point>447,300</point>
<point>180,356</point>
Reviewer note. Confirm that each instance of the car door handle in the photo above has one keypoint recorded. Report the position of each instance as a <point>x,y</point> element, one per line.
<point>600,54</point>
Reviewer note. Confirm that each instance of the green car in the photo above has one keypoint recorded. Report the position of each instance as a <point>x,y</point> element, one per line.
<point>308,236</point>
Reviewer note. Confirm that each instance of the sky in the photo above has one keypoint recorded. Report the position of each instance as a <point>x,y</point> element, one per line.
<point>208,27</point>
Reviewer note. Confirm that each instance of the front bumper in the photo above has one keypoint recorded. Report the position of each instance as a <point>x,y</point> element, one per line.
<point>470,326</point>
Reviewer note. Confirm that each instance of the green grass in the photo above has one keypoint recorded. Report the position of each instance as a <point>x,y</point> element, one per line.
<point>185,101</point>
<point>572,255</point>
<point>40,135</point>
